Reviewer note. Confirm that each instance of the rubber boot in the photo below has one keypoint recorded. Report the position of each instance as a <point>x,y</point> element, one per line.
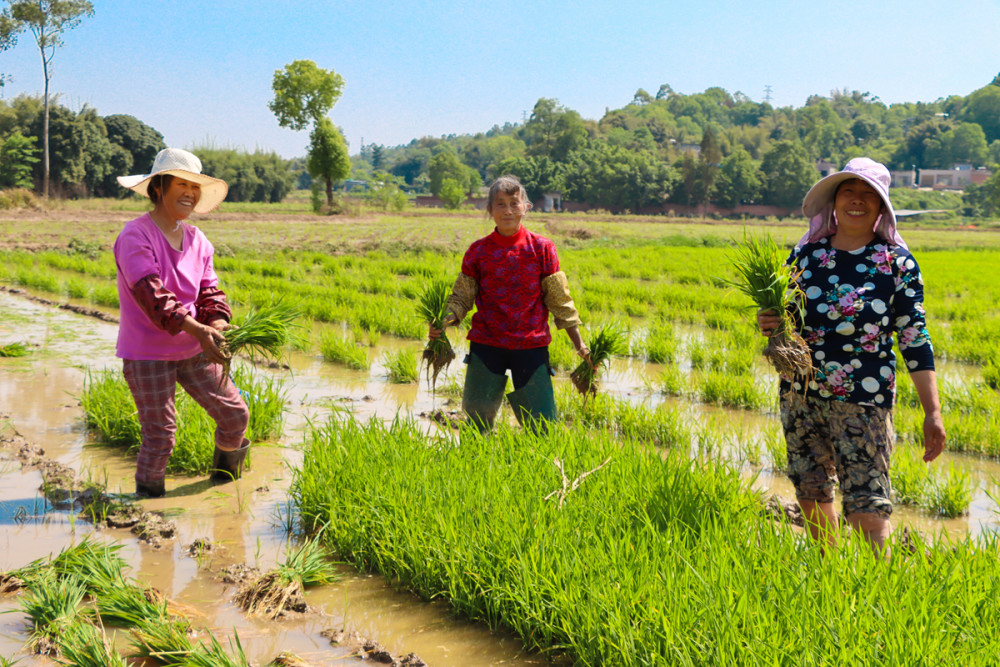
<point>155,489</point>
<point>227,466</point>
<point>482,394</point>
<point>534,404</point>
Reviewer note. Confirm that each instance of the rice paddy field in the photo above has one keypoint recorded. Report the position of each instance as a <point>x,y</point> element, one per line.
<point>633,533</point>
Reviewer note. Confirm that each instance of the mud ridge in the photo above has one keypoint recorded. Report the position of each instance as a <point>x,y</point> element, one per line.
<point>80,310</point>
<point>65,490</point>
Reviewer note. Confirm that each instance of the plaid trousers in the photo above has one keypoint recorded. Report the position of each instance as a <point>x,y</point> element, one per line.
<point>153,384</point>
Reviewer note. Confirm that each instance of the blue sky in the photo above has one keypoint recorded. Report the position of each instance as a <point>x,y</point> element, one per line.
<point>200,72</point>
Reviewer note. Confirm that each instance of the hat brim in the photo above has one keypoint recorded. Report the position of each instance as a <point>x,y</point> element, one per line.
<point>822,193</point>
<point>213,190</point>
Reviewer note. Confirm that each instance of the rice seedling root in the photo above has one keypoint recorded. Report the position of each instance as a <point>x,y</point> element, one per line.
<point>789,354</point>
<point>271,595</point>
<point>437,356</point>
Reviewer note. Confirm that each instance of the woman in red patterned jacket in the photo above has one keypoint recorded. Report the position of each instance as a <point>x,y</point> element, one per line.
<point>513,278</point>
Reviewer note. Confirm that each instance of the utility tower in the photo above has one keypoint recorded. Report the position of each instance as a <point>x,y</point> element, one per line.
<point>767,94</point>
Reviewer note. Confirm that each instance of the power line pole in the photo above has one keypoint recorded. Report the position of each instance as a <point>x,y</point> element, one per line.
<point>767,94</point>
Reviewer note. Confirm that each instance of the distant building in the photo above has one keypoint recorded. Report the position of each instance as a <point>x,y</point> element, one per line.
<point>549,202</point>
<point>906,178</point>
<point>957,178</point>
<point>826,168</point>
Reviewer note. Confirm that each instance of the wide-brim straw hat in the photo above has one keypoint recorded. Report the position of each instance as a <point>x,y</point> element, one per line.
<point>820,196</point>
<point>179,162</point>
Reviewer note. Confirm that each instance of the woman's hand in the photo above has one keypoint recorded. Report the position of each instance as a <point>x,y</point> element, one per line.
<point>768,322</point>
<point>934,436</point>
<point>584,353</point>
<point>221,325</point>
<point>434,334</point>
<point>209,337</point>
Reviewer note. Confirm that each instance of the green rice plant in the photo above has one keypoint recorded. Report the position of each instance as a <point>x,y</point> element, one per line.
<point>401,366</point>
<point>432,307</point>
<point>672,381</point>
<point>562,356</point>
<point>97,565</point>
<point>777,450</point>
<point>264,332</point>
<point>105,295</point>
<point>168,642</point>
<point>344,351</point>
<point>52,605</point>
<point>991,373</point>
<point>763,275</point>
<point>129,606</point>
<point>911,477</point>
<point>83,645</point>
<point>731,391</point>
<point>214,654</point>
<point>659,345</point>
<point>13,350</point>
<point>266,398</point>
<point>77,288</point>
<point>610,340</point>
<point>951,495</point>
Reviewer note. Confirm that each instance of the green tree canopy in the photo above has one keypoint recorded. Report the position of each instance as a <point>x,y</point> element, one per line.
<point>554,130</point>
<point>18,155</point>
<point>789,172</point>
<point>140,140</point>
<point>303,94</point>
<point>740,179</point>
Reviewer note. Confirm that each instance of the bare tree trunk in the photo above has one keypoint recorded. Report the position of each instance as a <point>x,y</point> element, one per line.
<point>45,130</point>
<point>329,193</point>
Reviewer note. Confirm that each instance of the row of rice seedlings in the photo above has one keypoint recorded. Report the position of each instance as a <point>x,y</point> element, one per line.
<point>658,344</point>
<point>343,350</point>
<point>663,427</point>
<point>281,589</point>
<point>733,391</point>
<point>586,542</point>
<point>971,414</point>
<point>946,494</point>
<point>401,366</point>
<point>109,410</point>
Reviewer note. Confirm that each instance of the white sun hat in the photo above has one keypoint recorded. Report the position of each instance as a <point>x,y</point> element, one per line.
<point>179,162</point>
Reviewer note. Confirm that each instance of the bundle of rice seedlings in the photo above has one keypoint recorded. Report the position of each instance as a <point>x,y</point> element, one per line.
<point>287,659</point>
<point>52,606</point>
<point>129,606</point>
<point>764,276</point>
<point>261,333</point>
<point>214,654</point>
<point>610,340</point>
<point>83,645</point>
<point>281,589</point>
<point>433,308</point>
<point>96,564</point>
<point>13,350</point>
<point>167,642</point>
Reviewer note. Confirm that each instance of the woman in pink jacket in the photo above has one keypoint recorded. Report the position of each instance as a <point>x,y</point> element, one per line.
<point>172,318</point>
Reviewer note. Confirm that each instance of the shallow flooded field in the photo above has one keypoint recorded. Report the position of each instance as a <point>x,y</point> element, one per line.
<point>247,521</point>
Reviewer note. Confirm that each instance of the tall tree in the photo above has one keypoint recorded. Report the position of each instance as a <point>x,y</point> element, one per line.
<point>47,20</point>
<point>328,158</point>
<point>303,94</point>
<point>789,172</point>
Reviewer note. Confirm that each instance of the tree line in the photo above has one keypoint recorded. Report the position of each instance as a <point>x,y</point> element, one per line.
<point>710,147</point>
<point>88,151</point>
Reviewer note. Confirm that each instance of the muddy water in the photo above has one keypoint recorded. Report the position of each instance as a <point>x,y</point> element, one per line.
<point>248,518</point>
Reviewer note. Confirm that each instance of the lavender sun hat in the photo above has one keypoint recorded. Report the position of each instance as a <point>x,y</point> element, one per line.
<point>818,202</point>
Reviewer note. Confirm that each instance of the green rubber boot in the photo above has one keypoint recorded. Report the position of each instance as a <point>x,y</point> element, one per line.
<point>483,394</point>
<point>535,403</point>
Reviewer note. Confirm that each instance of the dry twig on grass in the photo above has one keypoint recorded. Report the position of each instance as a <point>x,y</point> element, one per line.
<point>567,486</point>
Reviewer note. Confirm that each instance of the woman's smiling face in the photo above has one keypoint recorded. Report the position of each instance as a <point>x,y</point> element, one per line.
<point>857,205</point>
